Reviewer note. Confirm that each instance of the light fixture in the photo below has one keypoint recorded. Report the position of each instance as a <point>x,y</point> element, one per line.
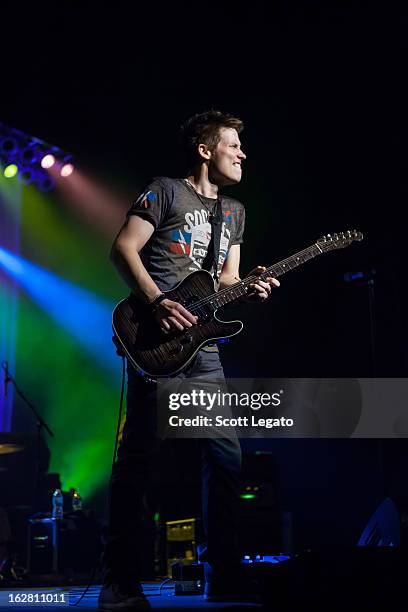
<point>66,170</point>
<point>28,156</point>
<point>44,181</point>
<point>8,145</point>
<point>26,175</point>
<point>10,171</point>
<point>48,161</point>
<point>31,154</point>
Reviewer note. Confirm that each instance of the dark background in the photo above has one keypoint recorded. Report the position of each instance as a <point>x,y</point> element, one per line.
<point>316,85</point>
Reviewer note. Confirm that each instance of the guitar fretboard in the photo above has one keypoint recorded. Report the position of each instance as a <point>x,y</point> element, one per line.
<point>238,290</point>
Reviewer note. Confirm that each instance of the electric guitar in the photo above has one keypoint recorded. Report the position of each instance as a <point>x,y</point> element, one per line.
<point>155,353</point>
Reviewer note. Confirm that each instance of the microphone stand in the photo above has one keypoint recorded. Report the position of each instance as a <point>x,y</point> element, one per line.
<point>371,308</point>
<point>368,279</point>
<point>381,449</point>
<point>40,423</point>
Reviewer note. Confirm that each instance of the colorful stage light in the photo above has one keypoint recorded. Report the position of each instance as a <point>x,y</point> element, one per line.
<point>48,161</point>
<point>32,153</point>
<point>8,145</point>
<point>45,183</point>
<point>67,170</point>
<point>26,176</point>
<point>28,152</point>
<point>83,314</point>
<point>82,365</point>
<point>10,171</point>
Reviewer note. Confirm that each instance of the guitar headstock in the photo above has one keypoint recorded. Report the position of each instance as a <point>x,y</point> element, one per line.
<point>330,242</point>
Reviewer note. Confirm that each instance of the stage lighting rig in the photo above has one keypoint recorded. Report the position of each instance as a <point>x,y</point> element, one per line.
<point>10,170</point>
<point>26,175</point>
<point>47,161</point>
<point>8,145</point>
<point>30,158</point>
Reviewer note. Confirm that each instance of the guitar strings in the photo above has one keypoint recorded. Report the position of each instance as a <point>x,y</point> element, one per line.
<point>329,246</point>
<point>249,279</point>
<point>322,248</point>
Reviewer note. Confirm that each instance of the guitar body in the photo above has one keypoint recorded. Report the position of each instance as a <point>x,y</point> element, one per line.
<point>157,354</point>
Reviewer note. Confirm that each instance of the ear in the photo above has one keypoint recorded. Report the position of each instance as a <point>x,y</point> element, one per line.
<point>204,151</point>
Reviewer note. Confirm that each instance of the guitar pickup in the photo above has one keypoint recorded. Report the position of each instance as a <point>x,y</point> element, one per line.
<point>186,338</point>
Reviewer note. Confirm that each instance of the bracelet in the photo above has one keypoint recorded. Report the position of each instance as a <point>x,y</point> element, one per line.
<point>156,301</point>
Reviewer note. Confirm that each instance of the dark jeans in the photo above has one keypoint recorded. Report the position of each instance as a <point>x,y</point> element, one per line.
<point>221,464</point>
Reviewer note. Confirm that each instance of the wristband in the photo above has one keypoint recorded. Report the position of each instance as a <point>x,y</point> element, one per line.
<point>156,301</point>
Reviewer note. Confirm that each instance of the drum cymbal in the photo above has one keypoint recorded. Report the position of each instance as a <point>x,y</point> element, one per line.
<point>11,443</point>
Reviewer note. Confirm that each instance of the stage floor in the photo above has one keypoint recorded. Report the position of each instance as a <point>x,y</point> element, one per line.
<point>296,597</point>
<point>160,599</point>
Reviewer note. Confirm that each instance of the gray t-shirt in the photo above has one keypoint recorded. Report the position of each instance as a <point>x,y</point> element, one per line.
<point>182,233</point>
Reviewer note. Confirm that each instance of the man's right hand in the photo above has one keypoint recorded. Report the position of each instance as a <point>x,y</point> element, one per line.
<point>172,316</point>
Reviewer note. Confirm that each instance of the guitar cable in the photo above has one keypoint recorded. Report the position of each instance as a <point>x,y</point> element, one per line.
<point>97,566</point>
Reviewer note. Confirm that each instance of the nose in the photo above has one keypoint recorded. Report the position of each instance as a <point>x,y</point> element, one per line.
<point>242,154</point>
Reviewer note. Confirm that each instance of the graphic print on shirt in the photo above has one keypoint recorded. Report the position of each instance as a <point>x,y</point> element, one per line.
<point>145,200</point>
<point>193,239</point>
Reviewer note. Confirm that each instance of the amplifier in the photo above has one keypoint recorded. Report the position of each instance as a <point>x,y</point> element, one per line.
<point>43,536</point>
<point>71,545</point>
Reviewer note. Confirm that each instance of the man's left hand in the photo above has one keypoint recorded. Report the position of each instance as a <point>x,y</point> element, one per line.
<point>260,290</point>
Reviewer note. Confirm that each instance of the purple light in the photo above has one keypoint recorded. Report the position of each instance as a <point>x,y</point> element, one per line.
<point>48,161</point>
<point>67,170</point>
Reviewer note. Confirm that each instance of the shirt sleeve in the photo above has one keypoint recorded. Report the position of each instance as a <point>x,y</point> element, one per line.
<point>152,203</point>
<point>239,233</point>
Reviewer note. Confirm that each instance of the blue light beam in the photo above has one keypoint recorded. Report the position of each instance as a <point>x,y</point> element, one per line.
<point>82,314</point>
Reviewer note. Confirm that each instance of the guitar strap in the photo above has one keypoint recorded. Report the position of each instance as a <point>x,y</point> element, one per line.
<point>211,259</point>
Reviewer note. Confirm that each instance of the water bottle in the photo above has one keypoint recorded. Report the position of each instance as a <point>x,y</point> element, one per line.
<point>76,501</point>
<point>57,504</point>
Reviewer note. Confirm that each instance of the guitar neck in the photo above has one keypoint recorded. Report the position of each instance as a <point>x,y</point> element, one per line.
<point>234,292</point>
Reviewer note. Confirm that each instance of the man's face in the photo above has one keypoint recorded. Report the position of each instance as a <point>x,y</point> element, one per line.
<point>225,163</point>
